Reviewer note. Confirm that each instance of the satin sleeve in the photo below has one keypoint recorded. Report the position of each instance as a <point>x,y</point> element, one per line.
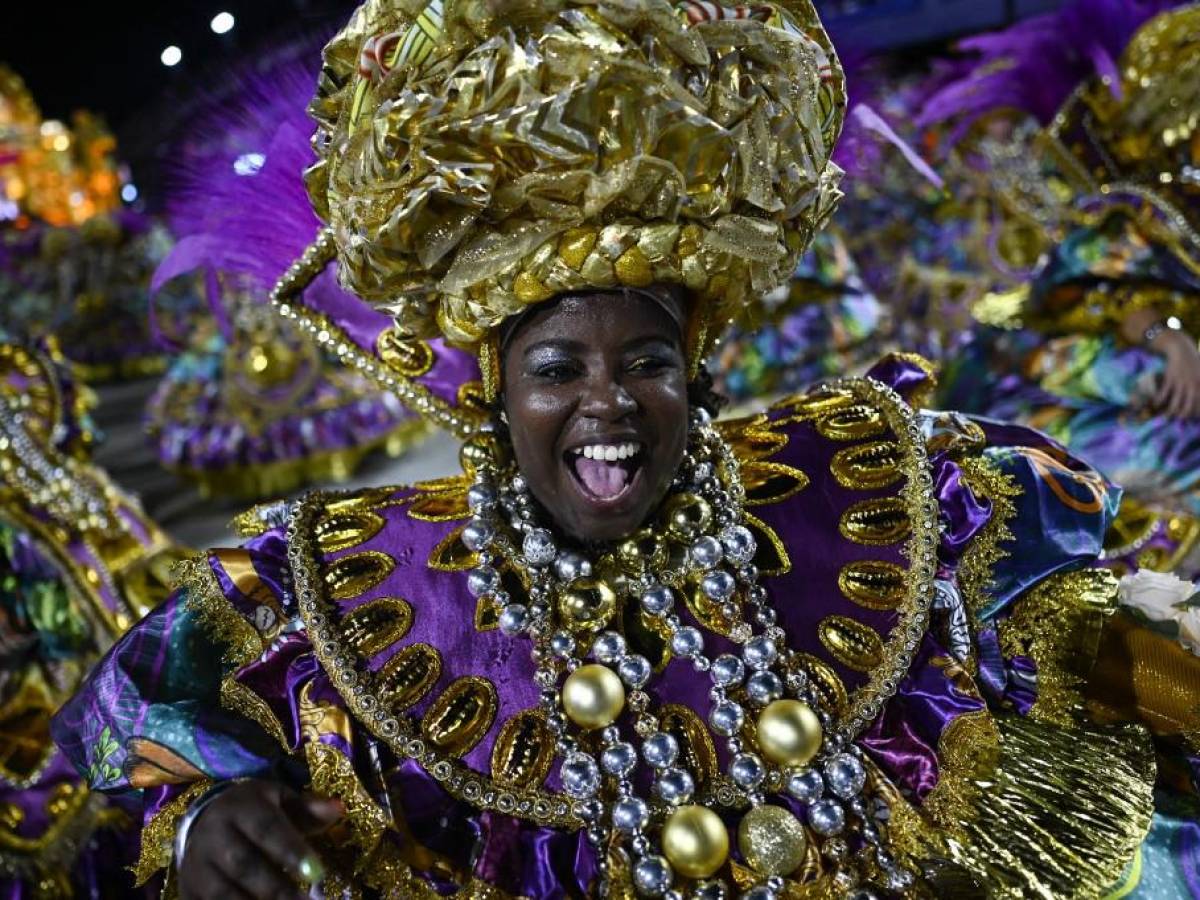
<point>150,713</point>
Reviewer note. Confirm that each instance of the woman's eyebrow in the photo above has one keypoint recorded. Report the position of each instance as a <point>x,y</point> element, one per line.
<point>647,340</point>
<point>562,344</point>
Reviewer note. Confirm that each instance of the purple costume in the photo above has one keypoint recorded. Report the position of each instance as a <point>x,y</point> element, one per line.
<point>932,572</point>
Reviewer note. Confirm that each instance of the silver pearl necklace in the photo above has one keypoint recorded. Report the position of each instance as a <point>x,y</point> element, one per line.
<point>761,676</point>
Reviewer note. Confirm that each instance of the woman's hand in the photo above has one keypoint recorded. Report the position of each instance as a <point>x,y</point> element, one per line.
<point>1179,392</point>
<point>251,841</point>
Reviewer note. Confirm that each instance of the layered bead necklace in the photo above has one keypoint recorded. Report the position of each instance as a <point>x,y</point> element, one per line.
<point>676,846</point>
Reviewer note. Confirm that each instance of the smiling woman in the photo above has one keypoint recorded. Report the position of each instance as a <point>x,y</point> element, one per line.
<point>630,649</point>
<point>595,394</point>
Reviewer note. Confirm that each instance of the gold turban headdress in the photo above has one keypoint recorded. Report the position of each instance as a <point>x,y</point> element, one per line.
<point>479,156</point>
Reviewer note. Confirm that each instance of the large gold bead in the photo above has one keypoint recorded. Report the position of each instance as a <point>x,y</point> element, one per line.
<point>587,604</point>
<point>789,732</point>
<point>593,696</point>
<point>772,840</point>
<point>686,516</point>
<point>642,551</point>
<point>695,841</point>
<point>480,450</point>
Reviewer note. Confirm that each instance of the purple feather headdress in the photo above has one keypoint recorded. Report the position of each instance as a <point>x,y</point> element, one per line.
<point>236,199</point>
<point>239,207</point>
<point>1035,65</point>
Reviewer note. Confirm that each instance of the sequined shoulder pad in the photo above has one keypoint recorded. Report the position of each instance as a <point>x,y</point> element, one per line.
<point>381,581</point>
<point>840,491</point>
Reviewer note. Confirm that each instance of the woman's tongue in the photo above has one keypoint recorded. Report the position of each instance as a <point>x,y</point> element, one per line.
<point>602,479</point>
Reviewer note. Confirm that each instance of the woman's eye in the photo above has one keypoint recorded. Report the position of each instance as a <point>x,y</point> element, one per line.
<point>555,371</point>
<point>649,365</point>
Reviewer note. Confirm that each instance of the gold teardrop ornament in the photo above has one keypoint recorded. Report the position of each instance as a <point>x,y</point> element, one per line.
<point>695,841</point>
<point>772,840</point>
<point>831,692</point>
<point>461,716</point>
<point>876,522</point>
<point>354,575</point>
<point>851,642</point>
<point>815,404</point>
<point>408,676</point>
<point>852,423</point>
<point>873,584</point>
<point>342,531</point>
<point>523,751</point>
<point>865,467</point>
<point>376,625</point>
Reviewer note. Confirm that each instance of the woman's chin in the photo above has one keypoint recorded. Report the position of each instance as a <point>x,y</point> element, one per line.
<point>594,518</point>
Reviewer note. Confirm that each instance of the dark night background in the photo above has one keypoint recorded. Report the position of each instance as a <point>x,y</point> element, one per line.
<point>105,56</point>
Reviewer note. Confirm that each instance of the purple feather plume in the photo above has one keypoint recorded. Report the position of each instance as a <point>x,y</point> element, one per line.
<point>237,200</point>
<point>1036,64</point>
<point>238,204</point>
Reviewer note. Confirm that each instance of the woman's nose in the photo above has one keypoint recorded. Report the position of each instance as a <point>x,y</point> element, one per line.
<point>605,397</point>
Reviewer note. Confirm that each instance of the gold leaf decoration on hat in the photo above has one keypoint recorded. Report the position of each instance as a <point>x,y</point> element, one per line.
<point>479,156</point>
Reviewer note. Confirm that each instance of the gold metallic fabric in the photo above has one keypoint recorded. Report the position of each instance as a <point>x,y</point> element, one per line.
<point>1060,813</point>
<point>480,156</point>
<point>1143,676</point>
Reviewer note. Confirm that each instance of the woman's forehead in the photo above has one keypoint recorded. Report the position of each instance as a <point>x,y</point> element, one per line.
<point>602,315</point>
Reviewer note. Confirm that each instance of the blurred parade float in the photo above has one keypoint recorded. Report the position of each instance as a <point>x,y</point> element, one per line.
<point>254,407</point>
<point>75,262</point>
<point>79,562</point>
<point>1075,137</point>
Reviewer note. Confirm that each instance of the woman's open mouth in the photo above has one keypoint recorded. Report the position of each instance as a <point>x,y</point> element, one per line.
<point>606,472</point>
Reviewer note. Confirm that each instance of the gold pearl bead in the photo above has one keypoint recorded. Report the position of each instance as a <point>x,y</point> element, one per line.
<point>587,604</point>
<point>789,732</point>
<point>772,840</point>
<point>593,696</point>
<point>695,841</point>
<point>686,516</point>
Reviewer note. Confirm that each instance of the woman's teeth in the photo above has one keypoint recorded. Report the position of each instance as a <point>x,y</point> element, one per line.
<point>601,469</point>
<point>608,452</point>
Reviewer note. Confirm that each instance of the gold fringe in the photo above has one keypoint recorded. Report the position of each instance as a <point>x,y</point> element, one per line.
<point>203,596</point>
<point>333,776</point>
<point>967,749</point>
<point>379,863</point>
<point>1061,815</point>
<point>1058,624</point>
<point>978,562</point>
<point>158,835</point>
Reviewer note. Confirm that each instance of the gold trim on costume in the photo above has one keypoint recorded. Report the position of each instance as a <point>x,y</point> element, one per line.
<point>1058,623</point>
<point>158,835</point>
<point>978,561</point>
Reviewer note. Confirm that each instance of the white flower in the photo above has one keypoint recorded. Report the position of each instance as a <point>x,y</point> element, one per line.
<point>1154,594</point>
<point>1189,630</point>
